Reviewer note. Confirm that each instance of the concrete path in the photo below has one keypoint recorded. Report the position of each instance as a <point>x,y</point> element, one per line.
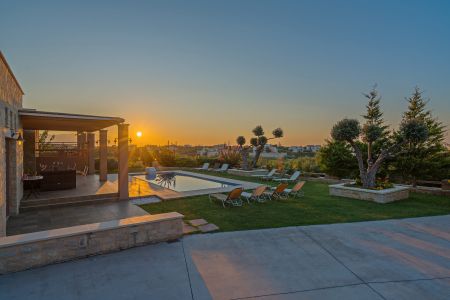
<point>395,259</point>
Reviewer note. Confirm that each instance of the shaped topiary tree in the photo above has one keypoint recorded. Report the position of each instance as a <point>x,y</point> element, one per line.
<point>244,150</point>
<point>373,131</point>
<point>258,142</point>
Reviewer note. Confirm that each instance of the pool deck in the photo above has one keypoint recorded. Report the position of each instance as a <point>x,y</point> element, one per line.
<point>91,185</point>
<point>149,189</point>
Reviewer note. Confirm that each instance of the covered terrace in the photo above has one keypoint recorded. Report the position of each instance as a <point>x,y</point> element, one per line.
<point>78,157</point>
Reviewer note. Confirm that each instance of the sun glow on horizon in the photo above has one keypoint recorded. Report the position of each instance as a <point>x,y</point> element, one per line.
<point>139,134</point>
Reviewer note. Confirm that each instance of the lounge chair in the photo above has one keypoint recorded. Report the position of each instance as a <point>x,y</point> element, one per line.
<point>205,167</point>
<point>233,198</point>
<point>224,168</point>
<point>215,167</point>
<point>257,195</point>
<point>278,192</point>
<point>266,176</point>
<point>84,172</point>
<point>296,190</point>
<point>293,177</point>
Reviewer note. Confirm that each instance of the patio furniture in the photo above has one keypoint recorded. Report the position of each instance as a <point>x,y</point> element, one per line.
<point>257,195</point>
<point>446,184</point>
<point>296,190</point>
<point>293,177</point>
<point>84,172</point>
<point>58,180</point>
<point>224,168</point>
<point>150,173</point>
<point>215,167</point>
<point>33,183</point>
<point>233,198</point>
<point>205,167</point>
<point>278,192</point>
<point>266,176</point>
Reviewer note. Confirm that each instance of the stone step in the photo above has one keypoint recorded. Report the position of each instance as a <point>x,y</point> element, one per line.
<point>62,202</point>
<point>32,202</point>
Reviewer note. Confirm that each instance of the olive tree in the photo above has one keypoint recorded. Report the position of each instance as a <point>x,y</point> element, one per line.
<point>350,131</point>
<point>244,151</point>
<point>258,142</point>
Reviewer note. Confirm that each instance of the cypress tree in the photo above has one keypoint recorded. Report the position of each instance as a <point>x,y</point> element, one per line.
<point>427,159</point>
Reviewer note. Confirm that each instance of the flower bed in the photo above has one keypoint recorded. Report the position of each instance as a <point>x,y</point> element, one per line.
<point>380,196</point>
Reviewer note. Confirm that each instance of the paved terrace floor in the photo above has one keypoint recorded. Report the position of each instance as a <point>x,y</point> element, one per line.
<point>395,259</point>
<point>59,217</point>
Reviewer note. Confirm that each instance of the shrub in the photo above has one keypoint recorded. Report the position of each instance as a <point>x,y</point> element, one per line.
<point>306,164</point>
<point>230,156</point>
<point>336,159</point>
<point>186,162</point>
<point>165,157</point>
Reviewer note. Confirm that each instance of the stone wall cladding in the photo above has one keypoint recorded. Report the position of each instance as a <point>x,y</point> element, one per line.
<point>10,92</point>
<point>383,196</point>
<point>10,102</point>
<point>2,185</point>
<point>42,248</point>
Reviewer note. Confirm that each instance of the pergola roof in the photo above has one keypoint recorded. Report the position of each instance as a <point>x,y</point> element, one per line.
<point>43,120</point>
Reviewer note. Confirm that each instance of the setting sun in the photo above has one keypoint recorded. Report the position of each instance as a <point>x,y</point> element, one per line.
<point>139,134</point>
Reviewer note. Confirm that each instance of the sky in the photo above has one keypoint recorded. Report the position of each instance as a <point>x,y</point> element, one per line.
<point>205,72</point>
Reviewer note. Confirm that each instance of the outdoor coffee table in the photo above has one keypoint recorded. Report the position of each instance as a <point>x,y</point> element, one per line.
<point>34,184</point>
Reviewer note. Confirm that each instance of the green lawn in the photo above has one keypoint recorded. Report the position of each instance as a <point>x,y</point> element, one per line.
<point>316,207</point>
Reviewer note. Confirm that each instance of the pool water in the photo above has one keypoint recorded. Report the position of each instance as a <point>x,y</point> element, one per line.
<point>183,183</point>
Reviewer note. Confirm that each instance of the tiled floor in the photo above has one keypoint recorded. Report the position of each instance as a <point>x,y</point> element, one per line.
<point>140,192</point>
<point>52,218</point>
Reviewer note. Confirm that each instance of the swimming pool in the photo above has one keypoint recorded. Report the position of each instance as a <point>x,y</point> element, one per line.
<point>183,182</point>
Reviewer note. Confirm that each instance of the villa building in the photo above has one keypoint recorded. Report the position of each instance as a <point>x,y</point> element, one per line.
<point>307,148</point>
<point>270,152</point>
<point>11,149</point>
<point>20,157</point>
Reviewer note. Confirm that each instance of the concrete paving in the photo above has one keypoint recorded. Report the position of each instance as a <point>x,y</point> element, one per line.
<point>395,259</point>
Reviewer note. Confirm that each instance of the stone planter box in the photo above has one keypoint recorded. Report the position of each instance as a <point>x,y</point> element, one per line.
<point>380,196</point>
<point>240,172</point>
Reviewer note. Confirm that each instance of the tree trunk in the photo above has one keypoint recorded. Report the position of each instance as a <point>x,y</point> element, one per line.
<point>369,155</point>
<point>359,158</point>
<point>370,178</point>
<point>258,151</point>
<point>244,155</point>
<point>371,175</point>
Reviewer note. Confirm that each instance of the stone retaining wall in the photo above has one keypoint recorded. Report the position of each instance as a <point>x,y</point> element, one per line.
<point>380,196</point>
<point>20,252</point>
<point>249,173</point>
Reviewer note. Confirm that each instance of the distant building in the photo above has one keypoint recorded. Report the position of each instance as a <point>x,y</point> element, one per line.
<point>270,151</point>
<point>208,152</point>
<point>307,148</point>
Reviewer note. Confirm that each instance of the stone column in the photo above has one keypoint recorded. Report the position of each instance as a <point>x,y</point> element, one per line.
<point>81,139</point>
<point>91,152</point>
<point>123,160</point>
<point>81,144</point>
<point>103,153</point>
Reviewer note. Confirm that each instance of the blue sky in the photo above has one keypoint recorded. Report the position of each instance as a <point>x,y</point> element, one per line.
<point>207,71</point>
